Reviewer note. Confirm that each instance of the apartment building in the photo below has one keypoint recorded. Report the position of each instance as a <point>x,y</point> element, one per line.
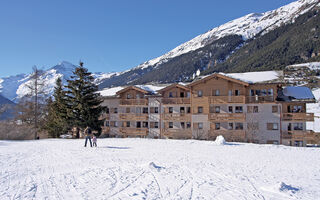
<point>244,107</point>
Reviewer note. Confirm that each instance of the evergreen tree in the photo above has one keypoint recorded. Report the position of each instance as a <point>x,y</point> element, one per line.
<point>84,103</point>
<point>57,119</point>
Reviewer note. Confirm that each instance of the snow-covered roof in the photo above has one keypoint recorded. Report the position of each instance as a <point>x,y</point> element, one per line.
<point>298,93</point>
<point>311,65</point>
<point>255,77</point>
<point>108,92</point>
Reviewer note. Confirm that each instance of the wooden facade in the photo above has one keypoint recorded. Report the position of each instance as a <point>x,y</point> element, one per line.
<point>212,106</point>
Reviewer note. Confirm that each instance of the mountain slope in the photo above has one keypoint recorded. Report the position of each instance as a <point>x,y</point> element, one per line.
<point>247,28</point>
<point>15,87</point>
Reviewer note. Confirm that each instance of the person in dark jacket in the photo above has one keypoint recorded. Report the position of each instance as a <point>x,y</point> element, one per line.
<point>88,133</point>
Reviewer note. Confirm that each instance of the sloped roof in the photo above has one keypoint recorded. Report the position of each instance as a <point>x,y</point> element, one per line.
<point>255,77</point>
<point>298,93</point>
<point>220,75</point>
<point>172,86</point>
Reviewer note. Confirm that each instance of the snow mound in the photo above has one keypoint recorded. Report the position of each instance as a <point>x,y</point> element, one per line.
<point>220,140</point>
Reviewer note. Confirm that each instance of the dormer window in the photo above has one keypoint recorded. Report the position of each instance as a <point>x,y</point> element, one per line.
<point>129,96</point>
<point>200,93</point>
<point>170,94</point>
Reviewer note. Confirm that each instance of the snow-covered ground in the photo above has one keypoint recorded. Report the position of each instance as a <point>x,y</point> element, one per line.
<point>156,169</point>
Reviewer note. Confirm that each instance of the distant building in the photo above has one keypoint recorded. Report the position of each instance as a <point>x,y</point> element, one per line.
<point>243,107</point>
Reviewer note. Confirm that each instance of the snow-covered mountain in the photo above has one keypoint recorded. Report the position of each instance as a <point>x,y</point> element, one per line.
<point>247,26</point>
<point>15,87</point>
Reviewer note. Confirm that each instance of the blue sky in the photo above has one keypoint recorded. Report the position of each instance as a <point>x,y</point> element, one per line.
<point>107,35</point>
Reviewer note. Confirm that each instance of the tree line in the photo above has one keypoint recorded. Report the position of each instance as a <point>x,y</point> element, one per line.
<point>74,105</point>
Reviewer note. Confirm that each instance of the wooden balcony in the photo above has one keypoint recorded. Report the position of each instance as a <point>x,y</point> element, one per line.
<point>222,117</point>
<point>133,132</point>
<point>226,99</point>
<point>259,99</point>
<point>134,116</point>
<point>229,135</point>
<point>297,135</point>
<point>176,117</point>
<point>176,100</point>
<point>177,133</point>
<point>298,117</point>
<point>133,102</point>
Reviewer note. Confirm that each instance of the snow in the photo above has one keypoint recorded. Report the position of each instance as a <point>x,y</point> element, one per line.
<point>247,26</point>
<point>255,77</point>
<point>311,65</point>
<point>220,140</point>
<point>314,108</point>
<point>151,88</point>
<point>300,92</point>
<point>110,91</point>
<point>156,169</point>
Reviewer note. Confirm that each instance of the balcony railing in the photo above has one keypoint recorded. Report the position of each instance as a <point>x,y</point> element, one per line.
<point>226,99</point>
<point>105,129</point>
<point>104,116</point>
<point>229,135</point>
<point>176,100</point>
<point>259,99</point>
<point>176,117</point>
<point>128,131</point>
<point>220,117</point>
<point>298,117</point>
<point>177,133</point>
<point>134,116</point>
<point>129,102</point>
<point>295,134</point>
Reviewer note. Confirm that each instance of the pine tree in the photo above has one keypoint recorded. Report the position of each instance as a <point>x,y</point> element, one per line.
<point>84,103</point>
<point>57,119</point>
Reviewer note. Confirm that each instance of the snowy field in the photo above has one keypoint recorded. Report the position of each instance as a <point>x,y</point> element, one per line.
<point>156,169</point>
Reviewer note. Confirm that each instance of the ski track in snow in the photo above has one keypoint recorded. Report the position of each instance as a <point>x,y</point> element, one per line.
<point>156,169</point>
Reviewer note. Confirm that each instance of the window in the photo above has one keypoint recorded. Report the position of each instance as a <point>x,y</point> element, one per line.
<point>274,109</point>
<point>115,110</point>
<point>217,126</point>
<point>182,94</point>
<point>255,109</point>
<point>127,110</point>
<point>238,109</point>
<point>239,126</point>
<point>270,92</point>
<point>170,109</point>
<point>200,109</point>
<point>230,93</point>
<point>129,96</point>
<point>107,110</point>
<point>258,92</point>
<point>170,94</point>
<point>182,110</point>
<point>115,124</point>
<point>298,126</point>
<point>145,124</point>
<point>230,109</point>
<point>127,124</point>
<point>182,125</point>
<point>230,126</point>
<point>137,96</point>
<point>217,93</point>
<point>170,124</point>
<point>107,123</point>
<point>154,124</point>
<point>217,109</point>
<point>200,125</point>
<point>188,110</point>
<point>138,124</point>
<point>145,110</point>
<point>188,124</point>
<point>138,110</point>
<point>251,93</point>
<point>237,92</point>
<point>156,110</point>
<point>200,93</point>
<point>272,126</point>
<point>297,109</point>
<point>264,92</point>
<point>188,94</point>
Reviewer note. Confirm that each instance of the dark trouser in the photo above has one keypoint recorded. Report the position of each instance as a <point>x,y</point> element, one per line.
<point>88,138</point>
<point>95,144</point>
